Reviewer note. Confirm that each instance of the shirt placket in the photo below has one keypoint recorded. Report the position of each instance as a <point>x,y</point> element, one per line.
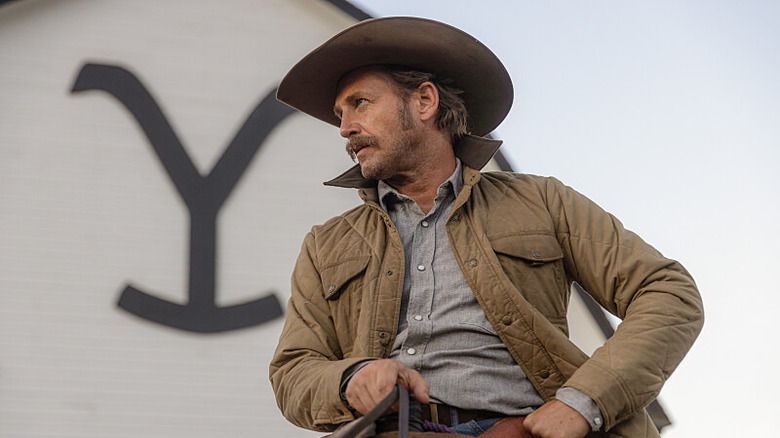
<point>421,296</point>
<point>421,293</point>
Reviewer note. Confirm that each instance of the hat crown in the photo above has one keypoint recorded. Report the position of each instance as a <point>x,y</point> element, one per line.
<point>423,44</point>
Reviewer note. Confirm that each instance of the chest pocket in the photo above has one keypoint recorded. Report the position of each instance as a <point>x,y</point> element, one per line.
<point>338,277</point>
<point>344,284</point>
<point>534,264</point>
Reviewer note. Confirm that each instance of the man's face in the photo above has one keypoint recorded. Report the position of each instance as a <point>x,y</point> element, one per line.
<point>379,127</point>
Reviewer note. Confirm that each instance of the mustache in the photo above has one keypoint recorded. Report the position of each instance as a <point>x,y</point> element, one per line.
<point>359,142</point>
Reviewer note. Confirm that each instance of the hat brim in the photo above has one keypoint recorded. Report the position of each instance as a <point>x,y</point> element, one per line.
<point>310,86</point>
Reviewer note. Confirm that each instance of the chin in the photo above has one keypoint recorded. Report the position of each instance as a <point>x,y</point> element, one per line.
<point>370,173</point>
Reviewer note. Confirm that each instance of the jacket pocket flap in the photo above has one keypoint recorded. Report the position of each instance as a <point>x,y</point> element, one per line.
<point>336,276</point>
<point>535,248</point>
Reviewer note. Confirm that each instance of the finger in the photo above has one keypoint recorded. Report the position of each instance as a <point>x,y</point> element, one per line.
<point>530,422</point>
<point>355,398</point>
<point>372,383</point>
<point>358,395</point>
<point>385,378</point>
<point>375,397</point>
<point>414,382</point>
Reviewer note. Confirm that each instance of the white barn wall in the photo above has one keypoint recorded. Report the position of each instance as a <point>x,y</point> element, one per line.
<point>87,208</point>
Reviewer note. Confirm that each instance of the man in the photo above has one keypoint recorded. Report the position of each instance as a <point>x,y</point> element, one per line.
<point>453,282</point>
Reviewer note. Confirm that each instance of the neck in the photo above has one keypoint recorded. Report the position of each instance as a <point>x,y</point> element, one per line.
<point>422,182</point>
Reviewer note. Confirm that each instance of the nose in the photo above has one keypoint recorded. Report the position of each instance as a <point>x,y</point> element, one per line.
<point>348,127</point>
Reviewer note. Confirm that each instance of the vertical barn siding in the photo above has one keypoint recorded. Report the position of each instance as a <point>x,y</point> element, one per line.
<point>86,207</point>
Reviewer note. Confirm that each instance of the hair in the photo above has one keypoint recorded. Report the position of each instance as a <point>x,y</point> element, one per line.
<point>452,116</point>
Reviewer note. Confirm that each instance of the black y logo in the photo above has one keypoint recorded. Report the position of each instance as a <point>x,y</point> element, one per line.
<point>204,196</point>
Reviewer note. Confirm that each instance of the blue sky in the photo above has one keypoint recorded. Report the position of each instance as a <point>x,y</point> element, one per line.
<point>667,114</point>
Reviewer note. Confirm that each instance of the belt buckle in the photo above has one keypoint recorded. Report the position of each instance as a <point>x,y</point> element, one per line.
<point>434,412</point>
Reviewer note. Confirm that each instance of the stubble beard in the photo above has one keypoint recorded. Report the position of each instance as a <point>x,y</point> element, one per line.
<point>399,150</point>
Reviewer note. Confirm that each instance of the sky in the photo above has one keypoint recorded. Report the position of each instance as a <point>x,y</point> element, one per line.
<point>667,114</point>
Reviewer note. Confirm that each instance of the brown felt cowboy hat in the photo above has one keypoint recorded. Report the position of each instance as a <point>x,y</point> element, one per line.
<point>310,86</point>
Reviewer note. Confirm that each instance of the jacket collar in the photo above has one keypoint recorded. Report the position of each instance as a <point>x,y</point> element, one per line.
<point>473,151</point>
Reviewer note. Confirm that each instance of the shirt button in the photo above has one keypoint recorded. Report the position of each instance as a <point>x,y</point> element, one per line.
<point>411,351</point>
<point>424,224</point>
<point>597,421</point>
<point>420,267</point>
<point>418,317</point>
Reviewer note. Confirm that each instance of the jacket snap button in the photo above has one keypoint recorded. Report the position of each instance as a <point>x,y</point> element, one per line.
<point>544,374</point>
<point>332,288</point>
<point>389,273</point>
<point>382,335</point>
<point>455,217</point>
<point>537,254</point>
<point>473,262</point>
<point>506,320</point>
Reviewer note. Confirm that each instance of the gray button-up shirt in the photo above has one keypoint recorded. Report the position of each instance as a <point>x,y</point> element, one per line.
<point>443,332</point>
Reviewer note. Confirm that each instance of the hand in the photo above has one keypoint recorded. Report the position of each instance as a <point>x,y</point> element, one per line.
<point>376,380</point>
<point>556,419</point>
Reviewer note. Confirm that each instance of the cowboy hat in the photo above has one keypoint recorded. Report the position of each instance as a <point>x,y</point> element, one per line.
<point>310,86</point>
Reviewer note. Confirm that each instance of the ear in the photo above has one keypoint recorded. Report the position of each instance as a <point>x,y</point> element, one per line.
<point>428,101</point>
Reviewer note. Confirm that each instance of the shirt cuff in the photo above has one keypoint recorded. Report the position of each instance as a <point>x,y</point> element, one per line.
<point>583,404</point>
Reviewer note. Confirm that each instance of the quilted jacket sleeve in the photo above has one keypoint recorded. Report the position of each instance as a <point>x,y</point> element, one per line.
<point>307,366</point>
<point>655,297</point>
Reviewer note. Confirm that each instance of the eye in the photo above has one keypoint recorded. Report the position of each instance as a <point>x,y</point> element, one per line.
<point>360,100</point>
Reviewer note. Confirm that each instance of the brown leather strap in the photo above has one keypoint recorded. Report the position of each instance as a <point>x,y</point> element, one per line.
<point>510,427</point>
<point>442,414</point>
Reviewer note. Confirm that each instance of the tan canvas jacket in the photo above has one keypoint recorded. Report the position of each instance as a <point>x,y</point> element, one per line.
<point>519,240</point>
